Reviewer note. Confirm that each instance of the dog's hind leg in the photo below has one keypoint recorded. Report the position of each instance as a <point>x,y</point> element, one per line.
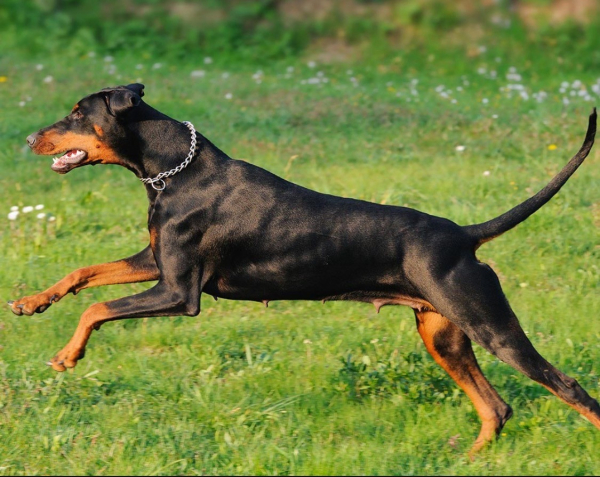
<point>471,297</point>
<point>452,350</point>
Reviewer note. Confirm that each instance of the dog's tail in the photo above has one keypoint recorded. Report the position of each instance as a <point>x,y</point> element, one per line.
<point>492,228</point>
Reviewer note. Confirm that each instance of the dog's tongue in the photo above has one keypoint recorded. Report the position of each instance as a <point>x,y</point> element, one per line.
<point>69,158</point>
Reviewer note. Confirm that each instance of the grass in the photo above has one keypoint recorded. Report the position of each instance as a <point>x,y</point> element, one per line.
<point>300,387</point>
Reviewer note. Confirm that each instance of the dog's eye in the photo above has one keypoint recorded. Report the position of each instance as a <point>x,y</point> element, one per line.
<point>77,115</point>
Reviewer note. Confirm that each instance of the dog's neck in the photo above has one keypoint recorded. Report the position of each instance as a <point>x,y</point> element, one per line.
<point>149,130</point>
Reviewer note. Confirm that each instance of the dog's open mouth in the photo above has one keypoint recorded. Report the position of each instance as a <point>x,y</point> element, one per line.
<point>68,160</point>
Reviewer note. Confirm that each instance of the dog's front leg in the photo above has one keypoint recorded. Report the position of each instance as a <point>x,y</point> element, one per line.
<point>137,268</point>
<point>165,299</point>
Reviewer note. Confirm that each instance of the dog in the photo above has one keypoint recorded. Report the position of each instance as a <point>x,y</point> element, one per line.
<point>233,230</point>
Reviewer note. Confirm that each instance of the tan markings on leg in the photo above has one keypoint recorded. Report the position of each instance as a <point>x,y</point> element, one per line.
<point>96,275</point>
<point>452,351</point>
<point>75,349</point>
<point>153,237</point>
<point>110,274</point>
<point>51,142</point>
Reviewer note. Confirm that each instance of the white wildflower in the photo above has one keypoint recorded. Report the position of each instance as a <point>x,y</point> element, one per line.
<point>460,148</point>
<point>13,215</point>
<point>27,209</point>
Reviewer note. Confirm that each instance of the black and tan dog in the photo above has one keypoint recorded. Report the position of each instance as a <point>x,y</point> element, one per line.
<point>235,231</point>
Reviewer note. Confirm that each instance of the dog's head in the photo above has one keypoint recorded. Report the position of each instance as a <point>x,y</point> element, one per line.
<point>91,133</point>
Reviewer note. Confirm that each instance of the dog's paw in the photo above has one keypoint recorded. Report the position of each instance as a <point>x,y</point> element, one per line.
<point>66,358</point>
<point>33,304</point>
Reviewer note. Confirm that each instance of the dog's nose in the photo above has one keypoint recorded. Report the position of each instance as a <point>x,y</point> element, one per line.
<point>31,139</point>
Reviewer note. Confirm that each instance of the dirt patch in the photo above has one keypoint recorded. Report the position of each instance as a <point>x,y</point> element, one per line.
<point>559,11</point>
<point>194,13</point>
<point>596,214</point>
<point>333,50</point>
<point>293,11</point>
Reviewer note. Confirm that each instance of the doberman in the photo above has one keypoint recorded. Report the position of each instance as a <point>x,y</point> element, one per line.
<point>233,230</point>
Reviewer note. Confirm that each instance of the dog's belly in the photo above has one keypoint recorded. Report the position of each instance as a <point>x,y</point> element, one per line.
<point>268,281</point>
<point>221,289</point>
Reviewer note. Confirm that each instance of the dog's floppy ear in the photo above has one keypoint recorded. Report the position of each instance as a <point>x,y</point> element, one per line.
<point>121,99</point>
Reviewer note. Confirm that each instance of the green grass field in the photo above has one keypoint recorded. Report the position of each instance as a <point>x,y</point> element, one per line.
<point>302,387</point>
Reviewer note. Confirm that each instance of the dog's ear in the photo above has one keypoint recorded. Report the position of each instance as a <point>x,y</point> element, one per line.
<point>137,88</point>
<point>121,99</point>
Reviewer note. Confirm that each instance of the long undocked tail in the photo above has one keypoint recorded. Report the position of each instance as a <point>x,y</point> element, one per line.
<point>492,228</point>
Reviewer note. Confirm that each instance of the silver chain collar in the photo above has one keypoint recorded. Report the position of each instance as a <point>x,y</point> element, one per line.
<point>157,182</point>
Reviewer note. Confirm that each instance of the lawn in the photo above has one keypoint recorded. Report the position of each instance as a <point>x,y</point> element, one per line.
<point>303,387</point>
